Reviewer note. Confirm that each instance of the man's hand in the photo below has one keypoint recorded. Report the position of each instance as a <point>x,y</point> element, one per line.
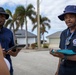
<point>10,52</point>
<point>1,51</point>
<point>4,53</point>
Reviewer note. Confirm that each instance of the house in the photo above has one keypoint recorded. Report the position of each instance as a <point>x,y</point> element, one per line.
<point>21,37</point>
<point>54,39</point>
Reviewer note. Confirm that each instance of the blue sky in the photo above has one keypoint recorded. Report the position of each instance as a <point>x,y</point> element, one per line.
<point>49,8</point>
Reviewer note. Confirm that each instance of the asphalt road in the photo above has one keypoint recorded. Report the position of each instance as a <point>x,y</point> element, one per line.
<point>34,63</point>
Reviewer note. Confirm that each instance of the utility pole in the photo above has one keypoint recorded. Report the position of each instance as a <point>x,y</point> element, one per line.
<point>38,25</point>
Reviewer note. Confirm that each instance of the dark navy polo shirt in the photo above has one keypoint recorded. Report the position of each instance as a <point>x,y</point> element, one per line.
<point>63,38</point>
<point>6,41</point>
<point>67,67</point>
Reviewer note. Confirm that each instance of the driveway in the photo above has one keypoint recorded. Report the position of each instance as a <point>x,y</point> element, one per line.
<point>34,63</point>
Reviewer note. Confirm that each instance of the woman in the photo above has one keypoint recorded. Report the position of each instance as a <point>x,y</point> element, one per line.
<point>67,64</point>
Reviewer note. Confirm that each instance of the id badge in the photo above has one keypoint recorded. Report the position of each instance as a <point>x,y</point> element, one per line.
<point>67,42</point>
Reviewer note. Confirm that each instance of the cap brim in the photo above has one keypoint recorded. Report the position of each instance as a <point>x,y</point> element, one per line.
<point>61,17</point>
<point>7,15</point>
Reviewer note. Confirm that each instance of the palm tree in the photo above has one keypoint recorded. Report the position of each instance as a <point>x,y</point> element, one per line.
<point>12,23</point>
<point>44,23</point>
<point>23,13</point>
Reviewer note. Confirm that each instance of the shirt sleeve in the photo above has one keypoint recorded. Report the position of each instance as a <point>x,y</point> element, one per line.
<point>61,41</point>
<point>12,41</point>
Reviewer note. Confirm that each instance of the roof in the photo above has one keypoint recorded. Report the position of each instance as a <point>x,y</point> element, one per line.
<point>54,35</point>
<point>21,34</point>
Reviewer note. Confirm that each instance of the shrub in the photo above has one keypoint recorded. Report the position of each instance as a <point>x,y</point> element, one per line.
<point>45,45</point>
<point>33,45</point>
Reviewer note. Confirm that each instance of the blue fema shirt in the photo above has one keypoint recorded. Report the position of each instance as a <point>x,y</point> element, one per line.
<point>63,37</point>
<point>6,41</point>
<point>67,67</point>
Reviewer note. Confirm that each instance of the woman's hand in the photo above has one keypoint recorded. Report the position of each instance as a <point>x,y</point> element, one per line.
<point>56,54</point>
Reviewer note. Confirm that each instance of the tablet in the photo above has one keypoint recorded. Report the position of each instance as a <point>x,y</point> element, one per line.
<point>13,48</point>
<point>65,51</point>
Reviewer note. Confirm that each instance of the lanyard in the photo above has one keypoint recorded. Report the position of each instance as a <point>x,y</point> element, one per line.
<point>67,41</point>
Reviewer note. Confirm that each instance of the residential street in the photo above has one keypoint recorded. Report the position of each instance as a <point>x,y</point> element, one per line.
<point>34,63</point>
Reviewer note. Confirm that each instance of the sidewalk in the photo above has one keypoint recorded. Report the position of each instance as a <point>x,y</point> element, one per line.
<point>33,62</point>
<point>34,50</point>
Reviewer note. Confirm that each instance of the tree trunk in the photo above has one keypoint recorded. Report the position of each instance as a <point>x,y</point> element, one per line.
<point>26,33</point>
<point>38,27</point>
<point>14,35</point>
<point>43,39</point>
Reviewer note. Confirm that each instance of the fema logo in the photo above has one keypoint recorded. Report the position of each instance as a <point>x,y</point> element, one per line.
<point>74,42</point>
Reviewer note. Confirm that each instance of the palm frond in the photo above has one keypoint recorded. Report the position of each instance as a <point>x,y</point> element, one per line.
<point>47,25</point>
<point>11,26</point>
<point>20,10</point>
<point>8,22</point>
<point>17,25</point>
<point>34,27</point>
<point>30,6</point>
<point>14,17</point>
<point>45,19</point>
<point>9,12</point>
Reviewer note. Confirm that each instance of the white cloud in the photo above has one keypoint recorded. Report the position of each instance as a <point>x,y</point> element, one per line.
<point>3,2</point>
<point>49,8</point>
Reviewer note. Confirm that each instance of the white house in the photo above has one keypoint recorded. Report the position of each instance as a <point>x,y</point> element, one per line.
<point>54,39</point>
<point>21,37</point>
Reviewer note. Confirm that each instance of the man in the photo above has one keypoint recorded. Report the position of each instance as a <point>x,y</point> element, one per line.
<point>6,39</point>
<point>67,64</point>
